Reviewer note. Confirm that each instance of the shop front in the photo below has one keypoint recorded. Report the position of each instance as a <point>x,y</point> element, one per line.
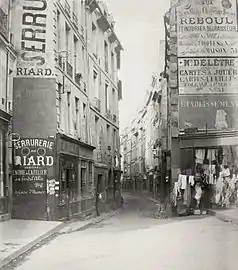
<point>75,175</point>
<point>208,175</point>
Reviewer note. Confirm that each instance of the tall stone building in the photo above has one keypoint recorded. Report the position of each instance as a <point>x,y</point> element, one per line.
<point>66,93</point>
<point>7,66</point>
<point>202,93</point>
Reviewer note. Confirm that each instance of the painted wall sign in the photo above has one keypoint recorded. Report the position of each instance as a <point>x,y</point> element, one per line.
<point>34,41</point>
<point>32,159</point>
<point>211,112</point>
<point>207,28</point>
<point>208,75</point>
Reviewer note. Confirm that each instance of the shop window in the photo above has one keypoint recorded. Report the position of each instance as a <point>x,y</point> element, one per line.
<point>68,183</point>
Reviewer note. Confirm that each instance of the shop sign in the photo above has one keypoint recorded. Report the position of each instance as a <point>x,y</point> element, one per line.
<point>32,159</point>
<point>208,75</point>
<point>34,38</point>
<point>211,112</point>
<point>207,28</point>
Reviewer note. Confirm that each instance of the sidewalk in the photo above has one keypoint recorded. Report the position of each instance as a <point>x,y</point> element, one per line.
<point>229,215</point>
<point>19,236</point>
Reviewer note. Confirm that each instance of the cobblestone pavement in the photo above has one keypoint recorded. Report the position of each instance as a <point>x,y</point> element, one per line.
<point>134,240</point>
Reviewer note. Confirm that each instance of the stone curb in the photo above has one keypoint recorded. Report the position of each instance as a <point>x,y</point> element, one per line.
<point>223,217</point>
<point>30,245</point>
<point>51,233</point>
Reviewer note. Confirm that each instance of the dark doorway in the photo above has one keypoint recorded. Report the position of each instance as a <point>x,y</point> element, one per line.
<point>98,191</point>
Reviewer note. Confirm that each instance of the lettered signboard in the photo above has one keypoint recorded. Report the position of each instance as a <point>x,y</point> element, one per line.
<point>33,157</point>
<point>34,33</point>
<point>208,64</point>
<point>207,28</point>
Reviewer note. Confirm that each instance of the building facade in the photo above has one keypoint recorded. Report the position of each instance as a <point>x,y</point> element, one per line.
<point>201,106</point>
<point>67,53</point>
<point>7,65</point>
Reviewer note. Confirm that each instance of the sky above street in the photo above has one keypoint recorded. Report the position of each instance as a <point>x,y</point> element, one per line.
<point>139,26</point>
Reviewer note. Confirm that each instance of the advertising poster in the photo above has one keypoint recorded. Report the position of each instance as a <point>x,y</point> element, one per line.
<point>34,38</point>
<point>207,28</point>
<point>208,75</point>
<point>33,157</point>
<point>211,112</point>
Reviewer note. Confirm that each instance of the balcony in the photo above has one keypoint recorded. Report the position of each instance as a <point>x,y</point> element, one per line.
<point>67,8</point>
<point>69,69</point>
<point>97,104</point>
<point>75,21</point>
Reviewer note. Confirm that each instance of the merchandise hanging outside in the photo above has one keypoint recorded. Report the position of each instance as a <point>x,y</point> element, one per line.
<point>208,178</point>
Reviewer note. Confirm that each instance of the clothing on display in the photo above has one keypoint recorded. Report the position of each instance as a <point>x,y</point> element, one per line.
<point>200,155</point>
<point>211,154</point>
<point>211,177</point>
<point>184,182</point>
<point>221,122</point>
<point>191,180</point>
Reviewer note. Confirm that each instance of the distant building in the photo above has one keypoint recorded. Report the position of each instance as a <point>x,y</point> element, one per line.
<point>141,142</point>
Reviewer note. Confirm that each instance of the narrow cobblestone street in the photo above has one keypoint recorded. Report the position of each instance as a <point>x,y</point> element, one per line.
<point>134,240</point>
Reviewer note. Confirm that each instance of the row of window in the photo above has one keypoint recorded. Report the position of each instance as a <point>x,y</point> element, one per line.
<point>72,55</point>
<point>110,97</point>
<point>111,135</point>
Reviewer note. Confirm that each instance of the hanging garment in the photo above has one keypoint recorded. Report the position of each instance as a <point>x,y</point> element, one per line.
<point>200,155</point>
<point>212,169</point>
<point>180,181</point>
<point>191,180</point>
<point>184,181</point>
<point>227,155</point>
<point>211,155</point>
<point>185,196</point>
<point>219,189</point>
<point>211,179</point>
<point>221,120</point>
